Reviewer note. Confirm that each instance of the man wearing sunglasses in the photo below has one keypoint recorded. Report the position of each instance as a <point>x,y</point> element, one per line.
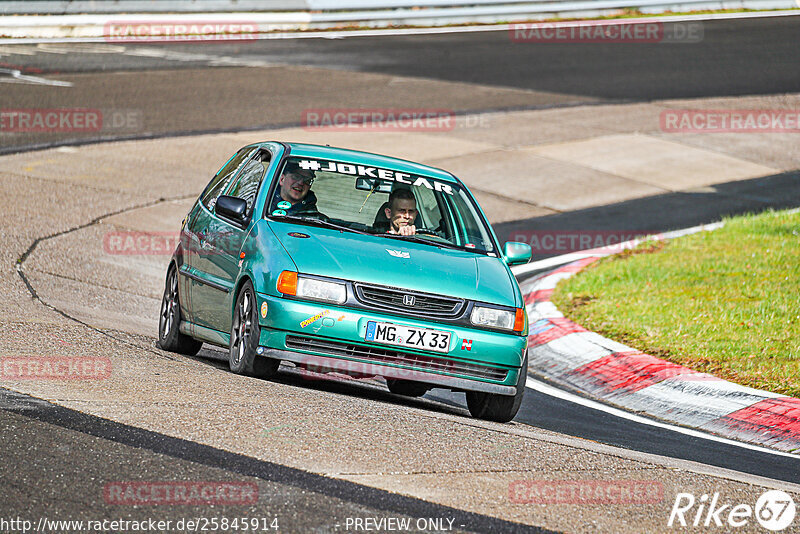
<point>294,196</point>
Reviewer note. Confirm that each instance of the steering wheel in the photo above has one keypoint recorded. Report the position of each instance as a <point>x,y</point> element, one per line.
<point>427,231</point>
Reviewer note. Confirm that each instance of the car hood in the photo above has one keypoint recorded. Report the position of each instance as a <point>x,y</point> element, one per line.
<point>394,262</point>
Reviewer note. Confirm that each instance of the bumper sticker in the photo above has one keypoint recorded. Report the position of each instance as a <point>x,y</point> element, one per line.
<point>314,318</point>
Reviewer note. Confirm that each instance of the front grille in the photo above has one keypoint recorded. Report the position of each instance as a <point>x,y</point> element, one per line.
<point>382,355</point>
<point>424,304</point>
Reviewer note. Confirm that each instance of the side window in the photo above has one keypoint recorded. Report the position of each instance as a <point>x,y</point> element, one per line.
<point>221,181</point>
<point>473,232</point>
<point>249,180</point>
<point>429,214</point>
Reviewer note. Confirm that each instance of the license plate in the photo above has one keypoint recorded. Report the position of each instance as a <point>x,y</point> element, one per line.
<point>405,336</point>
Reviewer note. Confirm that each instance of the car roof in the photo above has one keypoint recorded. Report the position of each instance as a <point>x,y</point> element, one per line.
<point>368,158</point>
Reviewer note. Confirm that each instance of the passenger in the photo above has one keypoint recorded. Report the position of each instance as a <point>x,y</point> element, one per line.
<point>294,188</point>
<point>402,212</point>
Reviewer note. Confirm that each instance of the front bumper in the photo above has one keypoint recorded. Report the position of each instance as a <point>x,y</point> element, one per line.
<point>323,364</point>
<point>330,338</point>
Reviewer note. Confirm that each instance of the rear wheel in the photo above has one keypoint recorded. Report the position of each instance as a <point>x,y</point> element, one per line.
<point>245,333</point>
<point>408,388</point>
<point>500,408</point>
<point>169,334</point>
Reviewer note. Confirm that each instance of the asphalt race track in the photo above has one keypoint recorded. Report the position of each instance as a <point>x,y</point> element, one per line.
<point>170,86</point>
<point>177,418</point>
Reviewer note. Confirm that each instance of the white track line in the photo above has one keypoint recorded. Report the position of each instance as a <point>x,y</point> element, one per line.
<point>18,77</point>
<point>547,389</point>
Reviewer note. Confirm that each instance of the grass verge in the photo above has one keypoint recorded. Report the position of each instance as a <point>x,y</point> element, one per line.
<point>725,302</point>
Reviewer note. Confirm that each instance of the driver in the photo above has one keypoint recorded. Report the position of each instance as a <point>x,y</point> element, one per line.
<point>402,212</point>
<point>293,194</point>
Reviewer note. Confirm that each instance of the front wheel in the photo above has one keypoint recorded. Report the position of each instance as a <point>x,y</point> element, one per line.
<point>500,408</point>
<point>169,334</point>
<point>245,333</point>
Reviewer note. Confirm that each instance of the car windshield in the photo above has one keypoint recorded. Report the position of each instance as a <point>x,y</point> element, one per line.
<point>357,197</point>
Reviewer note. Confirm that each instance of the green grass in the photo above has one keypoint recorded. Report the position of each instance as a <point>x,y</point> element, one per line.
<point>725,302</point>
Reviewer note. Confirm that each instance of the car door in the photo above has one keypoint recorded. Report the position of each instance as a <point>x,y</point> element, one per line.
<point>194,234</point>
<point>218,262</point>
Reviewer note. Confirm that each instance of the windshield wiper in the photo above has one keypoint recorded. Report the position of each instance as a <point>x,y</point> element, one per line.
<point>424,241</point>
<point>313,221</point>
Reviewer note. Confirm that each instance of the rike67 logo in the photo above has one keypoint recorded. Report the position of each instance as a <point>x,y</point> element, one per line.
<point>774,510</point>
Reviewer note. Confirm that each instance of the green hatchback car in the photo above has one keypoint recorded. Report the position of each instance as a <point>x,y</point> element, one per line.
<point>343,261</point>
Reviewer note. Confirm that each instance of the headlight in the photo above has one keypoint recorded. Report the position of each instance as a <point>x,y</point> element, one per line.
<point>495,318</point>
<point>310,288</point>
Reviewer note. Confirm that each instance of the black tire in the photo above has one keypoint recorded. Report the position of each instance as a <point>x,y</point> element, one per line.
<point>245,333</point>
<point>500,408</point>
<point>169,334</point>
<point>407,388</point>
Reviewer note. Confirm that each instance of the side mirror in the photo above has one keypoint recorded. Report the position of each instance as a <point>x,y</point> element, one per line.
<point>515,253</point>
<point>232,208</point>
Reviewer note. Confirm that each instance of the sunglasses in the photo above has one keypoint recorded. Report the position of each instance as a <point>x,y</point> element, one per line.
<point>308,180</point>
